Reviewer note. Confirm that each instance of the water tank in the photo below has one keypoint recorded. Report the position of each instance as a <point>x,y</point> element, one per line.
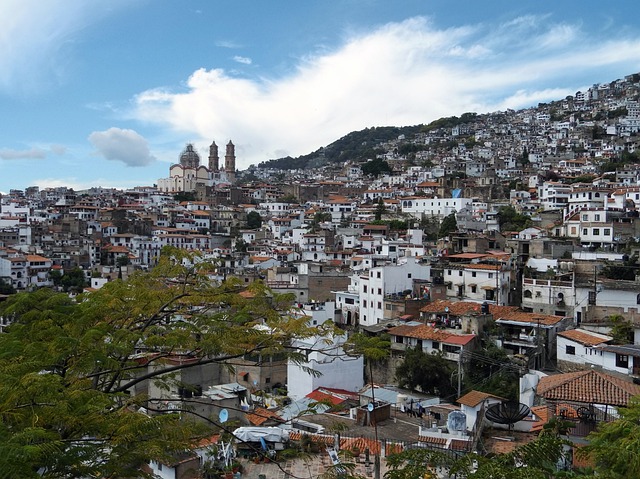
<point>570,265</point>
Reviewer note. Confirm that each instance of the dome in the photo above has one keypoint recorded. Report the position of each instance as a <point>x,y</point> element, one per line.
<point>189,157</point>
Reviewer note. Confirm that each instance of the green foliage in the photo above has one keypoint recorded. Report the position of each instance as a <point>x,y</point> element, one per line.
<point>185,196</point>
<point>292,199</point>
<point>615,446</point>
<point>6,287</point>
<point>491,371</point>
<point>625,271</point>
<point>254,220</point>
<point>372,348</point>
<point>375,167</point>
<point>510,220</point>
<point>622,329</point>
<point>72,280</point>
<point>431,373</point>
<point>380,209</point>
<point>357,145</point>
<point>450,121</point>
<point>72,384</point>
<point>448,225</point>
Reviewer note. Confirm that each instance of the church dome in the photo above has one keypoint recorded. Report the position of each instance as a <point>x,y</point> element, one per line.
<point>189,158</point>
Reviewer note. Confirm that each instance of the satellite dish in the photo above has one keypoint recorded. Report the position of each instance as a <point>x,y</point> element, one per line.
<point>509,412</point>
<point>370,406</point>
<point>457,421</point>
<point>223,415</point>
<point>446,309</point>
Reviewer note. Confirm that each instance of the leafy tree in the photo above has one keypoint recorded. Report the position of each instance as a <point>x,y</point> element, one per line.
<point>6,287</point>
<point>375,167</point>
<point>490,370</point>
<point>185,196</point>
<point>626,271</point>
<point>72,386</point>
<point>292,199</point>
<point>510,220</point>
<point>615,446</point>
<point>448,225</point>
<point>254,220</point>
<point>72,280</point>
<point>380,209</point>
<point>622,330</point>
<point>431,373</point>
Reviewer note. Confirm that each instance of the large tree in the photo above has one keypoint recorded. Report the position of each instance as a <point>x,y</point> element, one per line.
<point>72,376</point>
<point>431,373</point>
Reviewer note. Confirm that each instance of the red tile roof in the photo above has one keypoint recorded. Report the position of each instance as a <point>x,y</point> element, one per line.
<point>473,398</point>
<point>592,387</point>
<point>585,337</point>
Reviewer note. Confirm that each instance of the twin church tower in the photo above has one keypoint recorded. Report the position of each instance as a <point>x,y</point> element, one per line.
<point>185,175</point>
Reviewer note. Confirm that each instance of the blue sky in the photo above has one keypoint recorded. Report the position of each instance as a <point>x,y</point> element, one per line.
<point>108,93</point>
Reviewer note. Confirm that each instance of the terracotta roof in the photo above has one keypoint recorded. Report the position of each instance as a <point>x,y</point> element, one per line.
<point>588,387</point>
<point>458,308</point>
<point>320,396</point>
<point>585,337</point>
<point>421,331</point>
<point>542,413</point>
<point>473,398</point>
<point>261,415</point>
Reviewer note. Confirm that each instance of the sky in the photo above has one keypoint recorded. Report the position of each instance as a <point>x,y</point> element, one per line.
<point>109,93</point>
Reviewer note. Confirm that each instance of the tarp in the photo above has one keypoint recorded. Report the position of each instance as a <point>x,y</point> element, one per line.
<point>254,434</point>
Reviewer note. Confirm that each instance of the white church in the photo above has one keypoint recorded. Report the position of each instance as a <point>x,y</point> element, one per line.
<point>185,175</point>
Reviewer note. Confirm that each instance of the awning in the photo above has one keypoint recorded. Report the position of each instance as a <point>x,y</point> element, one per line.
<point>488,287</point>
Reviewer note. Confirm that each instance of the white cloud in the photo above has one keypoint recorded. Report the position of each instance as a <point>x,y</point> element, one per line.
<point>126,146</point>
<point>227,44</point>
<point>30,154</point>
<point>400,74</point>
<point>243,60</point>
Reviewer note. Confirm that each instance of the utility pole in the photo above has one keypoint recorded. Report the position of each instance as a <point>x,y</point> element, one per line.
<point>460,372</point>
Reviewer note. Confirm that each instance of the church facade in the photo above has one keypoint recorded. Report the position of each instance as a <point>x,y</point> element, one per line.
<point>185,175</point>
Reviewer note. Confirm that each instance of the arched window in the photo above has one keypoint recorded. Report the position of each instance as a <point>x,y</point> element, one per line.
<point>527,293</point>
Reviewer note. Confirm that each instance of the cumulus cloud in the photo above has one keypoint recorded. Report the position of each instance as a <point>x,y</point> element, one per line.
<point>30,154</point>
<point>400,74</point>
<point>126,146</point>
<point>243,60</point>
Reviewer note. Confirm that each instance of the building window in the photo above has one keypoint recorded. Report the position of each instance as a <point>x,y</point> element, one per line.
<point>398,339</point>
<point>474,289</point>
<point>409,275</point>
<point>435,345</point>
<point>364,288</point>
<point>585,232</point>
<point>606,231</point>
<point>473,274</point>
<point>596,217</point>
<point>378,274</point>
<point>570,350</point>
<point>622,361</point>
<point>490,275</point>
<point>596,231</point>
<point>460,273</point>
<point>379,291</point>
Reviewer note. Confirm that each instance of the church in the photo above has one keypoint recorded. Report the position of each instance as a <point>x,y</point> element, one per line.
<point>185,175</point>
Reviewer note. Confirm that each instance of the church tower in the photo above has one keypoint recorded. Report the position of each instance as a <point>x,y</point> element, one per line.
<point>230,162</point>
<point>213,158</point>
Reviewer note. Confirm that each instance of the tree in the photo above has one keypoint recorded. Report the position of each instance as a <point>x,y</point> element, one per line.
<point>622,330</point>
<point>448,225</point>
<point>510,220</point>
<point>490,370</point>
<point>375,167</point>
<point>254,220</point>
<point>6,287</point>
<point>72,280</point>
<point>431,373</point>
<point>615,446</point>
<point>380,209</point>
<point>74,388</point>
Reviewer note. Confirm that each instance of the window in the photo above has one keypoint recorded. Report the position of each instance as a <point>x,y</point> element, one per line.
<point>379,291</point>
<point>570,350</point>
<point>460,273</point>
<point>449,272</point>
<point>435,344</point>
<point>596,217</point>
<point>378,274</point>
<point>364,303</point>
<point>473,274</point>
<point>349,301</point>
<point>596,231</point>
<point>474,289</point>
<point>622,361</point>
<point>585,217</point>
<point>398,339</point>
<point>409,275</point>
<point>606,231</point>
<point>364,288</point>
<point>490,275</point>
<point>585,232</point>
<point>379,305</point>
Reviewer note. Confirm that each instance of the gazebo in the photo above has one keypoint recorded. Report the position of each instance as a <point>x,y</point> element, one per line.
<point>586,397</point>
